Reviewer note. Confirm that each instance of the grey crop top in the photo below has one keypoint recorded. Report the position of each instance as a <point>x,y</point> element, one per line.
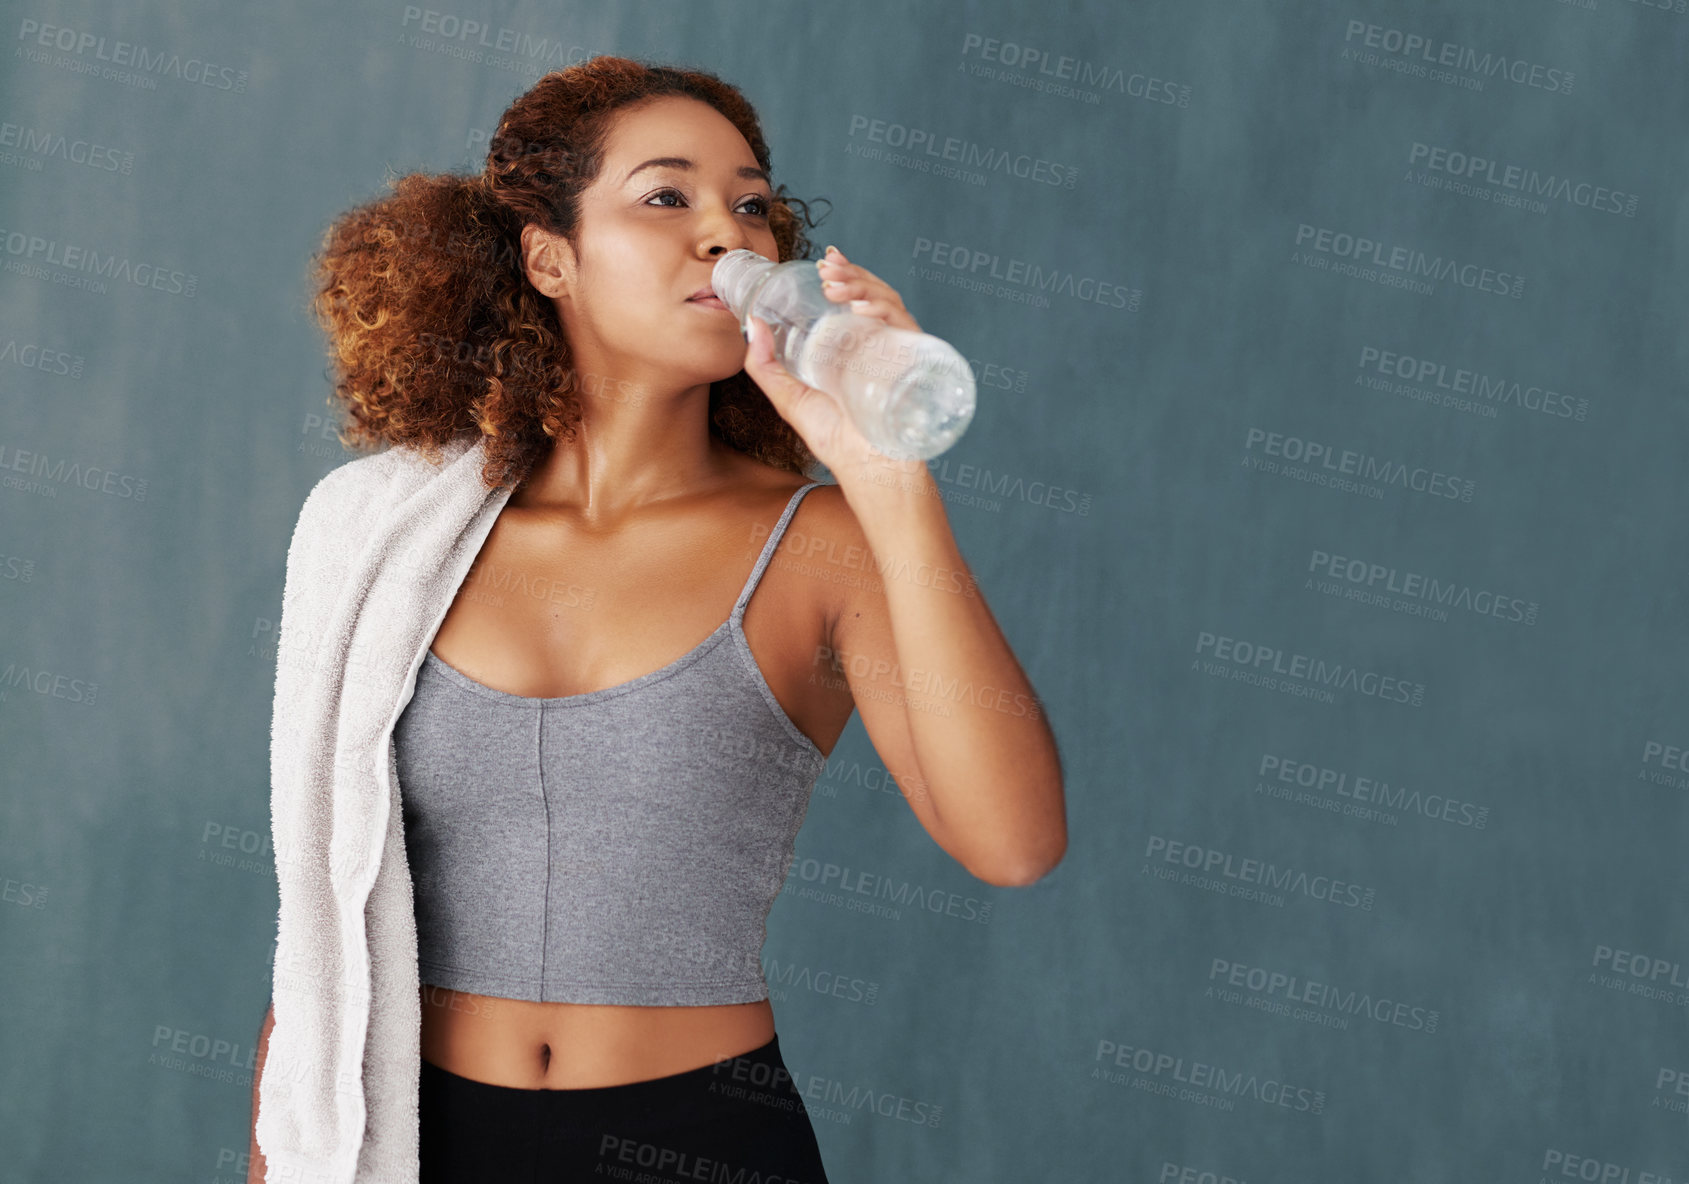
<point>619,846</point>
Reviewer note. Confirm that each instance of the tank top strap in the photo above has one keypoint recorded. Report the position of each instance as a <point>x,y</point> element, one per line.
<point>768,549</point>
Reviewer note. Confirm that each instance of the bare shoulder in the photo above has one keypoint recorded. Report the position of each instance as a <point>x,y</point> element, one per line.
<point>822,539</point>
<point>759,485</point>
<point>825,542</point>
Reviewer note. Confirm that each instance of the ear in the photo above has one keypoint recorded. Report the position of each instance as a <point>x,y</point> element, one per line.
<point>549,261</point>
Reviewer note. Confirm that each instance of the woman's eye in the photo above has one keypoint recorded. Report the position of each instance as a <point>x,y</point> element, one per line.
<point>762,205</point>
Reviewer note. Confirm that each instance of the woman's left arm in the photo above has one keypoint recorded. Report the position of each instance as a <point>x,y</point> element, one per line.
<point>941,694</point>
<point>978,732</point>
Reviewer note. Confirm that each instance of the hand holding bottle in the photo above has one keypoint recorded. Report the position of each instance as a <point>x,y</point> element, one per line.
<point>861,383</point>
<point>817,416</point>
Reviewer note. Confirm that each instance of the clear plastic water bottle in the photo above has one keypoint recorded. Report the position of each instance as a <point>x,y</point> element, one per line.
<point>911,395</point>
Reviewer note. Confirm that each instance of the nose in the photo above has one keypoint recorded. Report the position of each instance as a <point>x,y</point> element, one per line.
<point>722,232</point>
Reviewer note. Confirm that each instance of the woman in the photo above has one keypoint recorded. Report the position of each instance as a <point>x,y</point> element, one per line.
<point>597,818</point>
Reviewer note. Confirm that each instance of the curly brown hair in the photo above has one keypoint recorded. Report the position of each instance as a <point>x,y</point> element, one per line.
<point>433,327</point>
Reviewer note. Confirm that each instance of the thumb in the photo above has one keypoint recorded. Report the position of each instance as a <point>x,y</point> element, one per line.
<point>775,380</point>
<point>759,340</point>
<point>814,413</point>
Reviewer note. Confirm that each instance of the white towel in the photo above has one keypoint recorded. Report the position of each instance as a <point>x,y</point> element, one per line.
<point>381,546</point>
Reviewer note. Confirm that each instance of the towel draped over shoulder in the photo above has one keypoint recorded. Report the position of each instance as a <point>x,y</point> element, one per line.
<point>380,548</point>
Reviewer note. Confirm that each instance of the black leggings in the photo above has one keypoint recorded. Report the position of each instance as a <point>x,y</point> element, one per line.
<point>741,1118</point>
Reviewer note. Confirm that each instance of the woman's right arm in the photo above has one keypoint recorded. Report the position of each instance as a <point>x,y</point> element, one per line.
<point>255,1161</point>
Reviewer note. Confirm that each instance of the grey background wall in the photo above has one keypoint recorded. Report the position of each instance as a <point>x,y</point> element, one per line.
<point>1327,477</point>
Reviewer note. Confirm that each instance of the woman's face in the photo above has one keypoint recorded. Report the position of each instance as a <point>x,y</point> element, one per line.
<point>648,238</point>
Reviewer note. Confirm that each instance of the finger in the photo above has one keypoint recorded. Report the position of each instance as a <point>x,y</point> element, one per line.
<point>894,315</point>
<point>860,289</point>
<point>840,268</point>
<point>851,273</point>
<point>761,343</point>
<point>857,283</point>
<point>843,281</point>
<point>835,269</point>
<point>841,289</point>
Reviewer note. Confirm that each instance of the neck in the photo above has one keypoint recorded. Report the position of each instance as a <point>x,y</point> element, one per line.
<point>638,444</point>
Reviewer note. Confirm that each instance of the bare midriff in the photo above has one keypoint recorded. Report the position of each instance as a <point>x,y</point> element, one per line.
<point>527,1045</point>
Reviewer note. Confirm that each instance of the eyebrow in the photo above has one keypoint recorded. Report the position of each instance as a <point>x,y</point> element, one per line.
<point>747,172</point>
